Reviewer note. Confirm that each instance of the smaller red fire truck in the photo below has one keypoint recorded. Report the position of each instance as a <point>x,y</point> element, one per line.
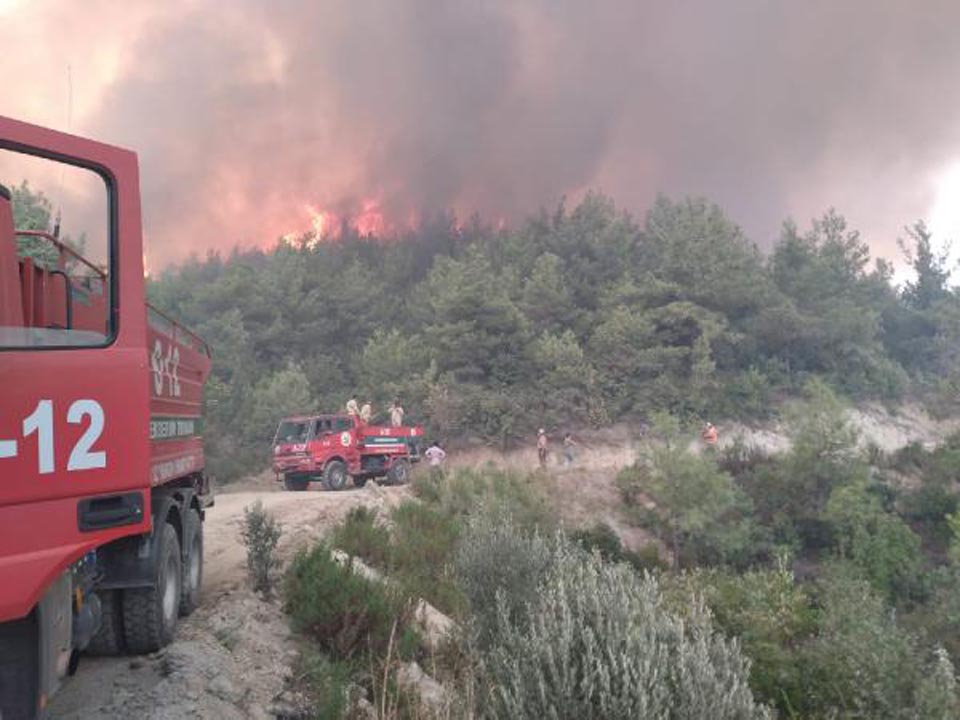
<point>331,448</point>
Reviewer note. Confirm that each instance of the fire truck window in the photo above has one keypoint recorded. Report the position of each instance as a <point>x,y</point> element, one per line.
<point>292,432</point>
<point>344,424</point>
<point>55,272</point>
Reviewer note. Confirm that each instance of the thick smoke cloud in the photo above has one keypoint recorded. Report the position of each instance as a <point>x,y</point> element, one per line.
<point>246,113</point>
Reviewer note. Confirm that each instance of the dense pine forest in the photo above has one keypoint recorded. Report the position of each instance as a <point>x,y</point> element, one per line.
<point>580,316</point>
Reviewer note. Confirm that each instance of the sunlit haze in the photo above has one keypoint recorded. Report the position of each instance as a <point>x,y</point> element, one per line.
<point>255,121</point>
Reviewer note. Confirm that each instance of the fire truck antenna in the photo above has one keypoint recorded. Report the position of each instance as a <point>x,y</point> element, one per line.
<point>56,222</point>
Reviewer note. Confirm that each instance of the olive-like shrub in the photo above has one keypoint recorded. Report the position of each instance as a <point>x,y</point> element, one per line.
<point>598,642</point>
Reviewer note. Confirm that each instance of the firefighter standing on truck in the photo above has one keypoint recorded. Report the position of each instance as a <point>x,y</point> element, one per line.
<point>366,412</point>
<point>396,413</point>
<point>353,410</point>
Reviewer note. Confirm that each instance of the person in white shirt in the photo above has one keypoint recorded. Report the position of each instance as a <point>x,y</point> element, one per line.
<point>396,413</point>
<point>366,412</point>
<point>353,410</point>
<point>435,456</point>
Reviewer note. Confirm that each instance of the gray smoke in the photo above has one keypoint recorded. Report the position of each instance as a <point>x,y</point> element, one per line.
<point>246,112</point>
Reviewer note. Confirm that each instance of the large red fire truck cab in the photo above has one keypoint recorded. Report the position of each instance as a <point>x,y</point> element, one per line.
<point>102,483</point>
<point>333,448</point>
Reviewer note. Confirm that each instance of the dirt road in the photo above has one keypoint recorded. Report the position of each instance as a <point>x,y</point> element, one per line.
<point>232,657</point>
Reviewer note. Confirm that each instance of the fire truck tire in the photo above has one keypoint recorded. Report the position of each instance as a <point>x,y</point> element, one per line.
<point>109,638</point>
<point>295,483</point>
<point>335,475</point>
<point>193,563</point>
<point>19,668</point>
<point>150,614</point>
<point>399,473</point>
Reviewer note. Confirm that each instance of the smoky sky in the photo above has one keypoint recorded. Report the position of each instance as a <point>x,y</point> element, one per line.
<point>245,113</point>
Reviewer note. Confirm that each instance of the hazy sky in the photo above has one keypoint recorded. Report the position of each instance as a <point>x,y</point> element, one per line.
<point>249,117</point>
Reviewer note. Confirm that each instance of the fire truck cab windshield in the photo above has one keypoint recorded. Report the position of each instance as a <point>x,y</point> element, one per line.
<point>293,431</point>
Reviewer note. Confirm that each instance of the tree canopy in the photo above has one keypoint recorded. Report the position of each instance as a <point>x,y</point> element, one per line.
<point>580,316</point>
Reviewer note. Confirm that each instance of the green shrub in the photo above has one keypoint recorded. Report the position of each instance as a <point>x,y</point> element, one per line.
<point>861,664</point>
<point>880,543</point>
<point>360,535</point>
<point>824,456</point>
<point>463,491</point>
<point>646,558</point>
<point>600,538</point>
<point>747,396</point>
<point>603,539</point>
<point>930,504</point>
<point>495,560</point>
<point>937,697</point>
<point>938,619</point>
<point>261,533</point>
<point>421,555</point>
<point>597,642</point>
<point>766,611</point>
<point>345,613</point>
<point>701,511</point>
<point>326,682</point>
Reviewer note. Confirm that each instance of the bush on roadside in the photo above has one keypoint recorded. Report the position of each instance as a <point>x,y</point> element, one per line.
<point>326,682</point>
<point>421,555</point>
<point>344,612</point>
<point>360,535</point>
<point>463,491</point>
<point>261,533</point>
<point>496,562</point>
<point>597,642</point>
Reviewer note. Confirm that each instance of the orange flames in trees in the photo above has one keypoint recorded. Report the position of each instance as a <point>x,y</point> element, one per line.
<point>367,220</point>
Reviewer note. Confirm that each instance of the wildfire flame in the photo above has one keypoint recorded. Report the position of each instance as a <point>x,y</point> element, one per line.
<point>367,219</point>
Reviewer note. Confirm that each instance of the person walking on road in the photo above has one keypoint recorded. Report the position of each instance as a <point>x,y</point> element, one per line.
<point>568,445</point>
<point>396,413</point>
<point>542,444</point>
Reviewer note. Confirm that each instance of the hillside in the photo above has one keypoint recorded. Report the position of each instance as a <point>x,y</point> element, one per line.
<point>579,318</point>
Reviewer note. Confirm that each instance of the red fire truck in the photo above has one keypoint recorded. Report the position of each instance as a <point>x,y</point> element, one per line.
<point>331,448</point>
<point>102,484</point>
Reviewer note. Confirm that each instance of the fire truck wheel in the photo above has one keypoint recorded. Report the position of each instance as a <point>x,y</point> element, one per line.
<point>19,667</point>
<point>150,614</point>
<point>193,563</point>
<point>335,475</point>
<point>109,638</point>
<point>295,483</point>
<point>399,473</point>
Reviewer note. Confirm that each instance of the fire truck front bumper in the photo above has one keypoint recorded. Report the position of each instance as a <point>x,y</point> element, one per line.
<point>293,465</point>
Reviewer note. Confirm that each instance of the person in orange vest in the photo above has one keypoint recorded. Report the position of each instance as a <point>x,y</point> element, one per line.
<point>710,435</point>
